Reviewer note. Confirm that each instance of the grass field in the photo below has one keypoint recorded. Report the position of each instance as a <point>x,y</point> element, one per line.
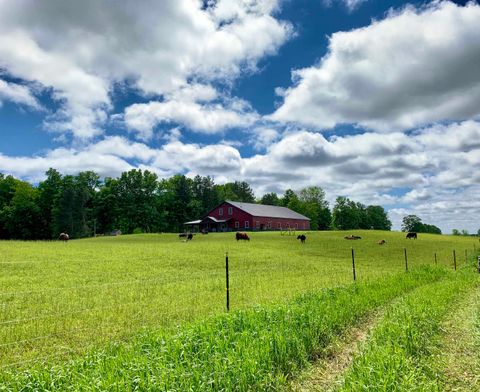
<point>60,301</point>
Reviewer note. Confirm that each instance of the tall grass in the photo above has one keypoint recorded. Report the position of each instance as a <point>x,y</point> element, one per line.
<point>254,349</point>
<point>399,356</point>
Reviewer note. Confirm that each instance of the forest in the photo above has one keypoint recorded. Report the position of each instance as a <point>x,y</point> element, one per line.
<point>137,201</point>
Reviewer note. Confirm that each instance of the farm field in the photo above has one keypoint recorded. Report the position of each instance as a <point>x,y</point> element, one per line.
<point>60,301</point>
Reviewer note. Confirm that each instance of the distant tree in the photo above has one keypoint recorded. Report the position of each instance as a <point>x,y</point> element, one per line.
<point>412,223</point>
<point>465,232</point>
<point>377,218</point>
<point>48,191</point>
<point>21,217</point>
<point>345,214</point>
<point>316,207</point>
<point>287,197</point>
<point>456,232</point>
<point>236,191</point>
<point>432,229</point>
<point>478,232</point>
<point>270,199</point>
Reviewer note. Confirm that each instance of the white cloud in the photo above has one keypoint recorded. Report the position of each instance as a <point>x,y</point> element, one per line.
<point>79,50</point>
<point>415,67</point>
<point>350,4</point>
<point>206,117</point>
<point>18,94</point>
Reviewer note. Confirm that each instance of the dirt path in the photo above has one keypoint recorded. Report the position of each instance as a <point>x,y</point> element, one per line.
<point>326,373</point>
<point>460,348</point>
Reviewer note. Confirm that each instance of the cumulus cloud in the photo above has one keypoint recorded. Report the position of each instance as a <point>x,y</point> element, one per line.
<point>78,51</point>
<point>18,94</point>
<point>211,117</point>
<point>415,67</point>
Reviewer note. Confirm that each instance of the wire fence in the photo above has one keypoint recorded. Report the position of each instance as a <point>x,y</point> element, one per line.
<point>177,299</point>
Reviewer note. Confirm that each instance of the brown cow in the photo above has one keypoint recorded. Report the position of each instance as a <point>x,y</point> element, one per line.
<point>64,237</point>
<point>382,242</point>
<point>242,236</point>
<point>353,237</point>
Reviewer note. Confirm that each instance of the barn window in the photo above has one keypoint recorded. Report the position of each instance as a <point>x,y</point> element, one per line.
<point>220,211</point>
<point>237,224</point>
<point>247,224</point>
<point>230,210</point>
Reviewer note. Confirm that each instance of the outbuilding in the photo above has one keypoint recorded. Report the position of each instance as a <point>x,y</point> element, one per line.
<point>234,216</point>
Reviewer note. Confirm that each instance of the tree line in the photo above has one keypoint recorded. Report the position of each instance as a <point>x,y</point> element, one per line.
<point>414,224</point>
<point>138,201</point>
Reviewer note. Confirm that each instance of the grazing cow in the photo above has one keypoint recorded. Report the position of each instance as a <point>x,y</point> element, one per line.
<point>64,237</point>
<point>189,237</point>
<point>242,236</point>
<point>382,242</point>
<point>302,238</point>
<point>182,235</point>
<point>353,237</point>
<point>411,235</point>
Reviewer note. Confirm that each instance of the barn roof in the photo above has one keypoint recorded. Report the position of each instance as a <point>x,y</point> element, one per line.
<point>267,211</point>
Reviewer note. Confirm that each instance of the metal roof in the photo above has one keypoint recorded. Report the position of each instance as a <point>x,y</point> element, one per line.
<point>212,218</point>
<point>267,211</point>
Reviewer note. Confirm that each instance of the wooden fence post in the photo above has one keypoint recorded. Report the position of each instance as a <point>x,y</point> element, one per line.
<point>435,258</point>
<point>454,261</point>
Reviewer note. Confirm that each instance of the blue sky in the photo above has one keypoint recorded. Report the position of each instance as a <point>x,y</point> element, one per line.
<point>375,100</point>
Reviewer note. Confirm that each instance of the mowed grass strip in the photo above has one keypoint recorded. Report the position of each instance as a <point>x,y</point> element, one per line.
<point>87,292</point>
<point>458,354</point>
<point>254,349</point>
<point>400,354</point>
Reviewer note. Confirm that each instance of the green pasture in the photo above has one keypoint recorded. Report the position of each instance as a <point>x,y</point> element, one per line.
<point>59,300</point>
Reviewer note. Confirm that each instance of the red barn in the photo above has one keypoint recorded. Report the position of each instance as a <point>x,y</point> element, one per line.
<point>234,216</point>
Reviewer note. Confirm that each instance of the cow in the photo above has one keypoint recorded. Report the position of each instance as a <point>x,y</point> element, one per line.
<point>381,242</point>
<point>63,237</point>
<point>302,238</point>
<point>187,236</point>
<point>242,236</point>
<point>411,235</point>
<point>353,237</point>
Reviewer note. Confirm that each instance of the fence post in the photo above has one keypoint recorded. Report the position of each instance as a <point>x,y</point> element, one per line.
<point>465,256</point>
<point>353,265</point>
<point>478,265</point>
<point>454,261</point>
<point>406,259</point>
<point>435,258</point>
<point>227,282</point>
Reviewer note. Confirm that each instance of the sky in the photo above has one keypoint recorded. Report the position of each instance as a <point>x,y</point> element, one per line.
<point>376,100</point>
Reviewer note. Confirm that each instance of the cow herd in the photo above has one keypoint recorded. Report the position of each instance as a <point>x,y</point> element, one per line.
<point>239,236</point>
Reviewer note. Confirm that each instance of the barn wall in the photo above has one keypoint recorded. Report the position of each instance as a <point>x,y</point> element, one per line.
<point>264,223</point>
<point>280,223</point>
<point>237,216</point>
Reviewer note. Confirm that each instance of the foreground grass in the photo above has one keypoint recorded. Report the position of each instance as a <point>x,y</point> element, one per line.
<point>60,300</point>
<point>254,349</point>
<point>400,354</point>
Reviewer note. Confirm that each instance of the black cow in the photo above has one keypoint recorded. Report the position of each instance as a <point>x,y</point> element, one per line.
<point>411,235</point>
<point>242,236</point>
<point>302,238</point>
<point>187,236</point>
